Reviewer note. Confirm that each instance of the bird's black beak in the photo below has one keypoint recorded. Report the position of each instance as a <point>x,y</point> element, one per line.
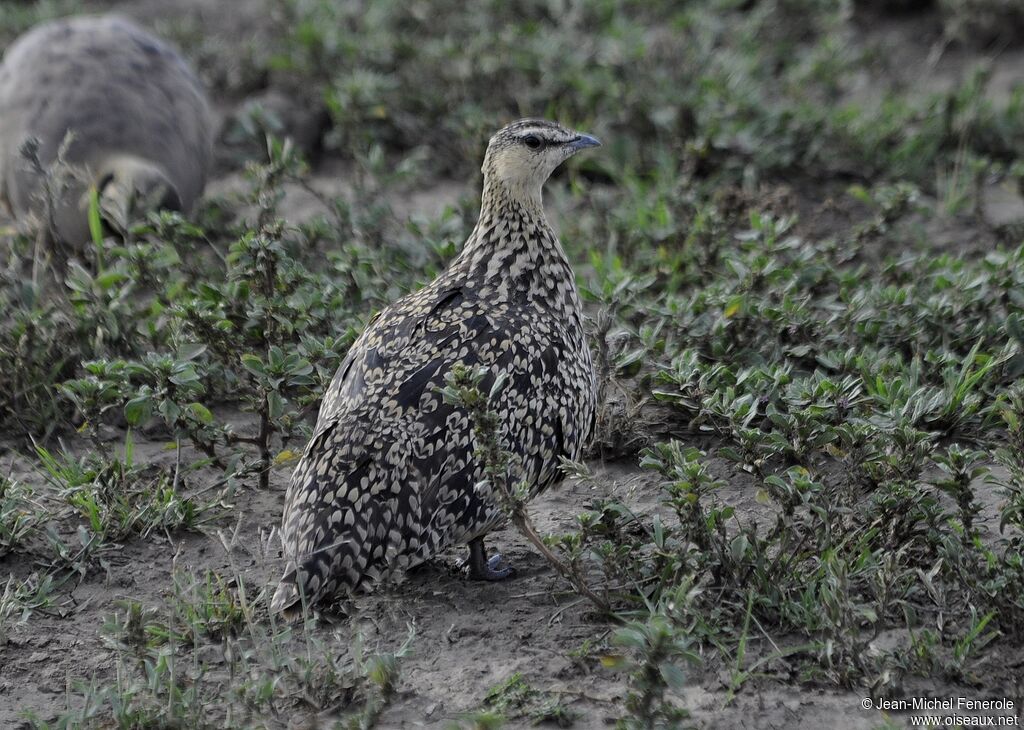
<point>583,141</point>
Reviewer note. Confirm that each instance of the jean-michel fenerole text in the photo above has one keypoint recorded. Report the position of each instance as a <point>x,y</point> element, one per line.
<point>944,703</point>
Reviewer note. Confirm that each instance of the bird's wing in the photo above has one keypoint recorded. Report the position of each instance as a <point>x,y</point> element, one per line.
<point>385,434</point>
<point>397,351</point>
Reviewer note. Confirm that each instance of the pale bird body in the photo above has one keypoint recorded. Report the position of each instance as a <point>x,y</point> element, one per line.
<point>141,128</point>
<point>388,478</point>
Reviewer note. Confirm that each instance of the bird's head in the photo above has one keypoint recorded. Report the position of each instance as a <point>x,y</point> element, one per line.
<point>522,156</point>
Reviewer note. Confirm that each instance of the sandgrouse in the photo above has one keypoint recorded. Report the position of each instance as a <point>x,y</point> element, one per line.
<point>387,479</point>
<point>141,128</point>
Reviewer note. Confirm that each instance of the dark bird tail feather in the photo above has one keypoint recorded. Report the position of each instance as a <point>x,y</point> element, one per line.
<point>326,559</point>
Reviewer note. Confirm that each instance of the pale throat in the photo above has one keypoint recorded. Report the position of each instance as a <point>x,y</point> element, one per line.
<point>500,193</point>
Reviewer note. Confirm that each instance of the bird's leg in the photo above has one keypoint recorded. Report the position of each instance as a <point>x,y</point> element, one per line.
<point>482,568</point>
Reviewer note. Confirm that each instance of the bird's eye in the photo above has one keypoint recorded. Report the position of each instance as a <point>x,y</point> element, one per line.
<point>532,141</point>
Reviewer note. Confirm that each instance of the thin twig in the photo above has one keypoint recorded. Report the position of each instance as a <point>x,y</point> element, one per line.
<point>523,523</point>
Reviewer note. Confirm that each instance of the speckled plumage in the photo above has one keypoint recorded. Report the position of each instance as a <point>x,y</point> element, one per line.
<point>139,116</point>
<point>388,478</point>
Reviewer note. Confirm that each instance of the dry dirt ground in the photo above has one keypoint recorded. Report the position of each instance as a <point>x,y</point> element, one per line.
<point>469,636</point>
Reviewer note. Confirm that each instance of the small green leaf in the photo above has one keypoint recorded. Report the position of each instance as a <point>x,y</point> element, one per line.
<point>138,410</point>
<point>673,675</point>
<point>170,410</point>
<point>629,637</point>
<point>275,405</point>
<point>110,279</point>
<point>613,661</point>
<point>191,351</point>
<point>286,457</point>
<point>738,547</point>
<point>184,376</point>
<point>201,412</point>
<point>254,364</point>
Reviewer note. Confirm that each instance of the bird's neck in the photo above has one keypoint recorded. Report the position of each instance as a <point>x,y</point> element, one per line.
<point>512,225</point>
<point>514,255</point>
<point>499,193</point>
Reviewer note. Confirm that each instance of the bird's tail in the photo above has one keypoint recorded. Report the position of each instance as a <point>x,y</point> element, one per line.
<point>333,549</point>
<point>288,598</point>
<point>314,577</point>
